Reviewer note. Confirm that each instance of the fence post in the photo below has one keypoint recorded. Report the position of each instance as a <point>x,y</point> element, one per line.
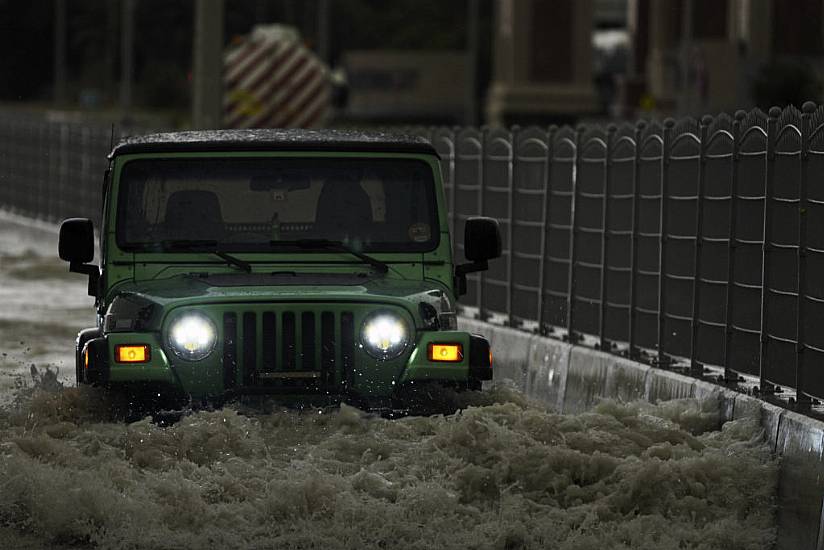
<point>632,352</point>
<point>481,303</point>
<point>65,186</point>
<point>731,378</point>
<point>604,344</point>
<point>662,359</point>
<point>543,327</point>
<point>86,179</point>
<point>696,369</point>
<point>8,186</point>
<point>803,401</point>
<point>510,174</point>
<point>764,387</point>
<point>54,146</point>
<point>453,211</point>
<point>573,225</point>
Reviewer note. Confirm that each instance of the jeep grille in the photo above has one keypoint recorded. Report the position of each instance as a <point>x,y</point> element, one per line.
<point>288,349</point>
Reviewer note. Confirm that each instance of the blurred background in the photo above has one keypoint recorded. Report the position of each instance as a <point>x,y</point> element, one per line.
<point>312,63</point>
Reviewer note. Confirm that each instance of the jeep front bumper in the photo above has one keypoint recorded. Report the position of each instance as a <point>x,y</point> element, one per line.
<point>344,370</point>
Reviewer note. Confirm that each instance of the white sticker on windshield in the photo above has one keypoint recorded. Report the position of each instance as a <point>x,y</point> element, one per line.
<point>419,232</point>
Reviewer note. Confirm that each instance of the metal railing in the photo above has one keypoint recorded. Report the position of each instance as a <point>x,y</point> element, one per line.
<point>53,170</point>
<point>692,242</point>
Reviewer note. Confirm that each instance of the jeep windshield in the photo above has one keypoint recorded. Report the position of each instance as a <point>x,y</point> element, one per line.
<point>248,204</point>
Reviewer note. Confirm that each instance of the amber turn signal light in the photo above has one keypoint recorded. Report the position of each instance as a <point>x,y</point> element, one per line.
<point>449,353</point>
<point>140,353</point>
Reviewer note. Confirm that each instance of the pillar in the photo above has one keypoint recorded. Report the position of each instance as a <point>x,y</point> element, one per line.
<point>542,61</point>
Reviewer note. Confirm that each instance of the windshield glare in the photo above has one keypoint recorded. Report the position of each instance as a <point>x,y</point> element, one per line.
<point>252,204</point>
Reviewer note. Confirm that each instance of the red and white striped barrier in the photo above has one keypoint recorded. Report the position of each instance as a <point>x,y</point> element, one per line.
<point>271,80</point>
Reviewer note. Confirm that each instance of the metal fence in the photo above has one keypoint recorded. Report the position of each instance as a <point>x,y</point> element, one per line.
<point>699,242</point>
<point>53,170</point>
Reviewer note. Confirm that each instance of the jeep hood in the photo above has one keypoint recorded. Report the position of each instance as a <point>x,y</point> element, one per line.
<point>151,300</point>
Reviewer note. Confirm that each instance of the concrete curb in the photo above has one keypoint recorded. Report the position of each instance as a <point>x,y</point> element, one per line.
<point>572,379</point>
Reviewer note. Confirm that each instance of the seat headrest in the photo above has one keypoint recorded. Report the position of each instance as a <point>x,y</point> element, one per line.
<point>343,202</point>
<point>203,204</point>
<point>194,214</point>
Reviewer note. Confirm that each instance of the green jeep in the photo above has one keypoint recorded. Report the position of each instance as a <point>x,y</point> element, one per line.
<point>315,266</point>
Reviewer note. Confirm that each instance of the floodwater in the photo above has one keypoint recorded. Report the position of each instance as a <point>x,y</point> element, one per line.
<point>42,305</point>
<point>502,473</point>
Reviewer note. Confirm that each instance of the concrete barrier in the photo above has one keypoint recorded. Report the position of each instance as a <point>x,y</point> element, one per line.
<point>546,374</point>
<point>572,379</point>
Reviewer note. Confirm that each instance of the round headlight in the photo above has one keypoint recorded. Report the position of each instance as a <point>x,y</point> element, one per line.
<point>384,335</point>
<point>192,336</point>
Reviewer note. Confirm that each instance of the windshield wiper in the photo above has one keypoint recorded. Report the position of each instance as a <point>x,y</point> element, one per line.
<point>327,244</point>
<point>206,246</point>
<point>245,266</point>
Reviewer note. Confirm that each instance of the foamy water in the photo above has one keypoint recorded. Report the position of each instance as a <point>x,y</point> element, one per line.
<point>42,305</point>
<point>501,473</point>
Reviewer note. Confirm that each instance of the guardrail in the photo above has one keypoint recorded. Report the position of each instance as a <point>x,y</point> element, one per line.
<point>692,242</point>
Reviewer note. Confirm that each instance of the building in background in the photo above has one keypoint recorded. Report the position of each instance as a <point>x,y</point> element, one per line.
<point>699,56</point>
<point>407,86</point>
<point>687,56</point>
<point>542,62</point>
<point>419,61</point>
<point>567,60</point>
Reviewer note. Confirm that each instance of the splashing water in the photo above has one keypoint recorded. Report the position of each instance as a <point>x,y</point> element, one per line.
<point>499,474</point>
<point>43,305</point>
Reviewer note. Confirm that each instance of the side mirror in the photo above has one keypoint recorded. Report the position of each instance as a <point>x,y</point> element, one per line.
<point>76,246</point>
<point>76,243</point>
<point>482,239</point>
<point>482,242</point>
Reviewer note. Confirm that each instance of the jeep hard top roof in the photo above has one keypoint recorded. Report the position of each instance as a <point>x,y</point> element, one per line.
<point>274,140</point>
